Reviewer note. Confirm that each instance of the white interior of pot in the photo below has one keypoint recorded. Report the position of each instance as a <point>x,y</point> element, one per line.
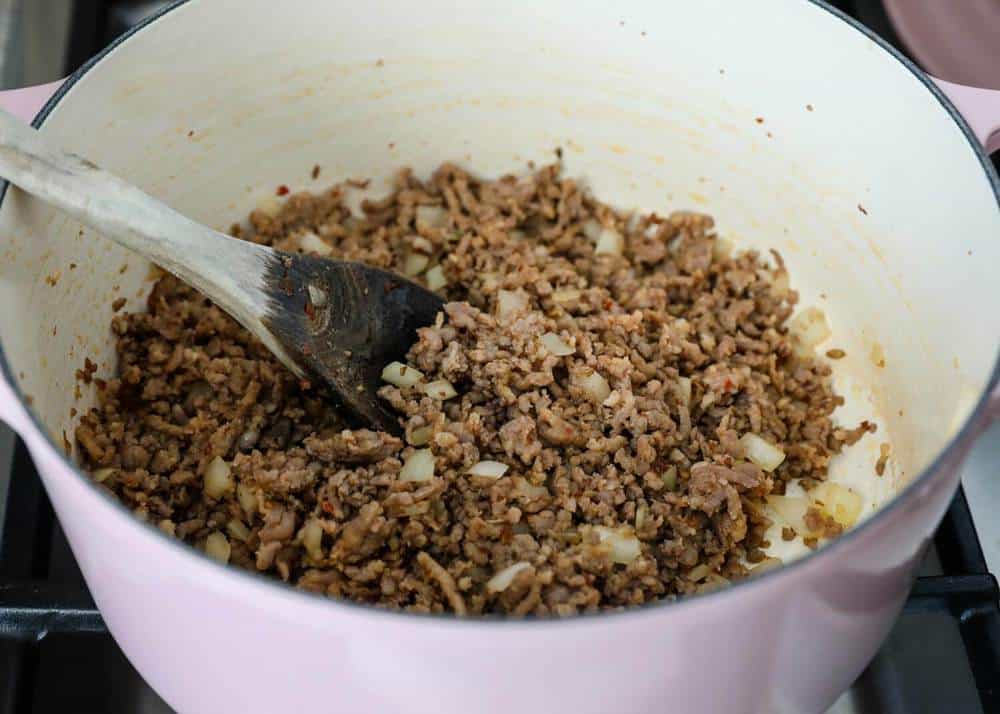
<point>813,142</point>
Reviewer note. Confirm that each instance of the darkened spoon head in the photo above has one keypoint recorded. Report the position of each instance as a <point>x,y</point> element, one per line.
<point>343,323</point>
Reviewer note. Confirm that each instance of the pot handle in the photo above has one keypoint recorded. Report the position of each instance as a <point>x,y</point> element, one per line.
<point>25,103</point>
<point>980,107</point>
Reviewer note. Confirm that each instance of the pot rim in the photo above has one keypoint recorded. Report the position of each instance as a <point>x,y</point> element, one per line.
<point>243,578</point>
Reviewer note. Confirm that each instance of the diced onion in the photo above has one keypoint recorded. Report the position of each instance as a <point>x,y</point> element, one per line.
<point>269,206</point>
<point>684,390</point>
<point>623,546</point>
<point>791,510</point>
<point>765,565</point>
<point>595,386</point>
<point>218,479</point>
<point>502,580</point>
<point>312,243</point>
<point>669,478</point>
<point>556,345</point>
<point>566,297</point>
<point>102,475</point>
<point>440,389</point>
<point>641,516</point>
<point>510,304</point>
<point>592,229</point>
<point>431,217</point>
<point>435,278</point>
<point>415,264</point>
<point>699,572</point>
<point>610,242</point>
<point>238,530</point>
<point>312,537</point>
<point>401,375</point>
<point>722,248</point>
<point>766,455</point>
<point>488,469</point>
<point>247,499</point>
<point>217,547</point>
<point>419,466</point>
<point>421,435</point>
<point>839,502</point>
<point>168,527</point>
<point>810,327</point>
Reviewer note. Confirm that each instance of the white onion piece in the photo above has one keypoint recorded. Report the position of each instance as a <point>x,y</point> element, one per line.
<point>435,278</point>
<point>421,435</point>
<point>247,498</point>
<point>595,386</point>
<point>763,453</point>
<point>488,469</point>
<point>566,297</point>
<point>765,565</point>
<point>269,206</point>
<point>102,475</point>
<point>556,345</point>
<point>419,466</point>
<point>669,478</point>
<point>217,547</point>
<point>791,510</point>
<point>839,502</point>
<point>415,264</point>
<point>810,327</point>
<point>502,580</point>
<point>312,243</point>
<point>401,375</point>
<point>641,516</point>
<point>623,546</point>
<point>684,390</point>
<point>440,389</point>
<point>431,217</point>
<point>610,242</point>
<point>592,229</point>
<point>218,479</point>
<point>511,303</point>
<point>238,530</point>
<point>699,572</point>
<point>312,537</point>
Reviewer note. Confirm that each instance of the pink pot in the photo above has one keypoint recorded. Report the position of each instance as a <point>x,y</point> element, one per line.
<point>861,172</point>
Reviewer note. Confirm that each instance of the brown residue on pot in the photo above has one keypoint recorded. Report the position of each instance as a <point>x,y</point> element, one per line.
<point>883,458</point>
<point>878,355</point>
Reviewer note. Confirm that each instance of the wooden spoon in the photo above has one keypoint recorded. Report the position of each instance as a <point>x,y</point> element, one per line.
<point>330,320</point>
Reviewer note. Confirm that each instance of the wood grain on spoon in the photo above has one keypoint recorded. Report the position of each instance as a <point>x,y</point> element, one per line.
<point>327,320</point>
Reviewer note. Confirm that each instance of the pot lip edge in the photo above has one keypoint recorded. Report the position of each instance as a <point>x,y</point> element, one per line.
<point>285,593</point>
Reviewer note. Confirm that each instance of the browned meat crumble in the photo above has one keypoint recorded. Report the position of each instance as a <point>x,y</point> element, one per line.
<point>610,362</point>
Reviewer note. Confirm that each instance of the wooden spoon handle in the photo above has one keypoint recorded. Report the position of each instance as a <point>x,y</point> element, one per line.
<point>226,270</point>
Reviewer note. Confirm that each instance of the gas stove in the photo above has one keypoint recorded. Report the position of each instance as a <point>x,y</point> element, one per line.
<point>56,655</point>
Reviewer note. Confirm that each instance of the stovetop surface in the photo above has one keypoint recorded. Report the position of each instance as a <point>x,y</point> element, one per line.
<point>929,663</point>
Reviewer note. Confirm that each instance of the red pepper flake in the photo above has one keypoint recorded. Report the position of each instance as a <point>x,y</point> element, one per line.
<point>305,385</point>
<point>306,350</point>
<point>282,190</point>
<point>327,507</point>
<point>310,310</point>
<point>729,386</point>
<point>607,304</point>
<point>862,209</point>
